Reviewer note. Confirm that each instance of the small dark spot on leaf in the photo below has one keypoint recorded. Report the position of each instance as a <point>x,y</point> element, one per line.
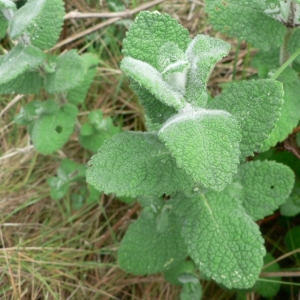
<point>272,187</point>
<point>58,129</point>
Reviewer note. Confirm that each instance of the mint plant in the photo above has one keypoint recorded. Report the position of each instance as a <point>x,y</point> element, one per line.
<point>200,196</point>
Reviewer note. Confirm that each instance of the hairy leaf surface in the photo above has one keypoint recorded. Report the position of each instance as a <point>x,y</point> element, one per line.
<point>136,163</point>
<point>51,131</point>
<point>205,143</point>
<point>145,250</point>
<point>266,185</point>
<point>40,20</point>
<point>69,69</point>
<point>152,80</point>
<point>18,60</point>
<point>78,94</point>
<point>202,54</point>
<point>291,207</point>
<point>148,35</point>
<point>246,20</point>
<point>223,241</point>
<point>256,105</point>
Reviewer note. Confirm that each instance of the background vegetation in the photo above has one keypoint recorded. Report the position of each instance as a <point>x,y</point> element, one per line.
<point>51,249</point>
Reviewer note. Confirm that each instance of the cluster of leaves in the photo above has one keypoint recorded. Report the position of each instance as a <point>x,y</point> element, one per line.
<point>200,197</point>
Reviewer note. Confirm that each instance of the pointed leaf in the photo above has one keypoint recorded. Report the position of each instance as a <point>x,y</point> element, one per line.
<point>41,20</point>
<point>3,25</point>
<point>136,163</point>
<point>223,241</point>
<point>205,143</point>
<point>247,20</point>
<point>266,185</point>
<point>18,60</point>
<point>51,131</point>
<point>149,33</point>
<point>68,73</point>
<point>152,80</point>
<point>144,250</point>
<point>256,105</point>
<point>202,54</point>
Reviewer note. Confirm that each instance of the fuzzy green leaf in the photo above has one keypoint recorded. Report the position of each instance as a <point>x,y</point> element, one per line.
<point>294,43</point>
<point>148,35</point>
<point>136,163</point>
<point>268,289</point>
<point>246,20</point>
<point>205,143</point>
<point>157,111</point>
<point>51,131</point>
<point>144,250</point>
<point>3,25</point>
<point>144,74</point>
<point>224,242</point>
<point>289,118</point>
<point>69,69</point>
<point>40,20</point>
<point>266,185</point>
<point>202,54</point>
<point>291,207</point>
<point>191,291</point>
<point>19,60</point>
<point>29,82</point>
<point>79,93</point>
<point>256,105</point>
<point>7,4</point>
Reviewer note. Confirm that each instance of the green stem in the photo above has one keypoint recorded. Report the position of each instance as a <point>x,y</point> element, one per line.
<point>286,64</point>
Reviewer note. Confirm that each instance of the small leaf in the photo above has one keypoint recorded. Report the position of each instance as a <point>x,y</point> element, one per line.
<point>185,267</point>
<point>18,60</point>
<point>202,54</point>
<point>292,241</point>
<point>191,291</point>
<point>266,185</point>
<point>58,187</point>
<point>149,33</point>
<point>291,207</point>
<point>68,73</point>
<point>78,94</point>
<point>247,21</point>
<point>213,227</point>
<point>135,163</point>
<point>268,289</point>
<point>94,195</point>
<point>152,80</point>
<point>41,20</point>
<point>205,143</point>
<point>256,105</point>
<point>144,250</point>
<point>3,25</point>
<point>51,132</point>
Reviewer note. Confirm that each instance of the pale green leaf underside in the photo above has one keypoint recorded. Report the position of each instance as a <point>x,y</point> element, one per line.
<point>68,73</point>
<point>51,132</point>
<point>144,250</point>
<point>247,21</point>
<point>152,80</point>
<point>136,163</point>
<point>223,241</point>
<point>78,94</point>
<point>29,82</point>
<point>157,111</point>
<point>149,33</point>
<point>202,54</point>
<point>41,20</point>
<point>268,289</point>
<point>205,143</point>
<point>7,4</point>
<point>18,60</point>
<point>266,185</point>
<point>289,118</point>
<point>256,105</point>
